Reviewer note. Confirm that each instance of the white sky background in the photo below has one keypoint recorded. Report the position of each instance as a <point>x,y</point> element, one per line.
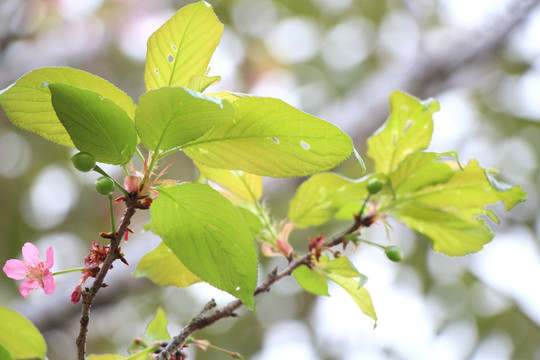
<point>409,323</point>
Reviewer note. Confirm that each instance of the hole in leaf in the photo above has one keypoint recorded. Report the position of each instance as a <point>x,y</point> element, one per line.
<point>170,58</point>
<point>44,84</point>
<point>276,140</point>
<point>157,72</point>
<point>304,145</point>
<point>237,288</point>
<point>173,47</point>
<point>408,124</point>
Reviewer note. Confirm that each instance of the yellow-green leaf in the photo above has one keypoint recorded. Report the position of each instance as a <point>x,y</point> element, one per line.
<point>96,125</point>
<point>169,117</point>
<point>448,213</point>
<point>200,82</point>
<point>247,186</point>
<point>182,47</point>
<point>106,357</point>
<point>271,138</point>
<point>321,196</point>
<point>19,337</point>
<point>27,102</point>
<point>164,268</point>
<point>358,293</point>
<point>341,266</point>
<point>311,281</point>
<point>156,330</point>
<point>408,129</point>
<point>209,235</point>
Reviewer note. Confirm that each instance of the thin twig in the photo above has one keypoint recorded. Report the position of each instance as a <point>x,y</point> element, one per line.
<point>88,295</point>
<point>201,321</point>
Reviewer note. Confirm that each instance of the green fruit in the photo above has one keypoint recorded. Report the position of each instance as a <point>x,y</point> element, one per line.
<point>393,253</point>
<point>374,186</point>
<point>83,161</point>
<point>104,185</point>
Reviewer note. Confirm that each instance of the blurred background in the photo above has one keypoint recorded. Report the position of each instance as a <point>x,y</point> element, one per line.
<point>336,59</point>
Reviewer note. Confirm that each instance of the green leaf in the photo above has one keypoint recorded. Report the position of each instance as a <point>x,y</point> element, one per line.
<point>209,235</point>
<point>169,117</point>
<point>19,337</point>
<point>27,103</point>
<point>358,293</point>
<point>407,130</point>
<point>321,196</point>
<point>311,281</point>
<point>244,185</point>
<point>95,124</point>
<point>447,213</point>
<point>182,47</point>
<point>271,138</point>
<point>164,268</point>
<point>200,82</point>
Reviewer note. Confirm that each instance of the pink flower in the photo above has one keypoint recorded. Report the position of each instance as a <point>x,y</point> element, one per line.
<point>36,272</point>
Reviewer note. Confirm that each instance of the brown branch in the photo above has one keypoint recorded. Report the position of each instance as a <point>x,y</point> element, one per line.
<point>203,319</point>
<point>89,295</point>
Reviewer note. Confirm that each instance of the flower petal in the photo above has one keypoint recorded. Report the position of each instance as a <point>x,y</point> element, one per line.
<point>50,258</point>
<point>27,286</point>
<point>15,269</point>
<point>48,282</point>
<point>30,254</point>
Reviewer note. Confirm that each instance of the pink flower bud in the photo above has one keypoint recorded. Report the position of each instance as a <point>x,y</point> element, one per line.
<point>76,295</point>
<point>131,183</point>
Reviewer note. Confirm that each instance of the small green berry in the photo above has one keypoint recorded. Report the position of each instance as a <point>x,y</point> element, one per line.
<point>393,253</point>
<point>374,186</point>
<point>83,161</point>
<point>104,185</point>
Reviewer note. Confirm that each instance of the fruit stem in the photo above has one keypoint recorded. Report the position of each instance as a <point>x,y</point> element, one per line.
<point>111,209</point>
<point>372,243</point>
<point>364,205</point>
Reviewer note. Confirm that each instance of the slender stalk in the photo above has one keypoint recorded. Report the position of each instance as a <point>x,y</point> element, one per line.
<point>67,271</point>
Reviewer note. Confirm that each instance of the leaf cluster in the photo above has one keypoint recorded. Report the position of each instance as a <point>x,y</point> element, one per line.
<point>211,233</point>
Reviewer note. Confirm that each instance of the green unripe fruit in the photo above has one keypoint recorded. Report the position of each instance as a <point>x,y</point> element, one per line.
<point>104,185</point>
<point>83,161</point>
<point>393,253</point>
<point>374,186</point>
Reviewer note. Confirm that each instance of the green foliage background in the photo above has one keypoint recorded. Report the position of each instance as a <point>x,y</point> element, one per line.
<point>350,89</point>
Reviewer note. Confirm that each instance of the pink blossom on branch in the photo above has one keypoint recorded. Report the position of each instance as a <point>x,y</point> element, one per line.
<point>37,273</point>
